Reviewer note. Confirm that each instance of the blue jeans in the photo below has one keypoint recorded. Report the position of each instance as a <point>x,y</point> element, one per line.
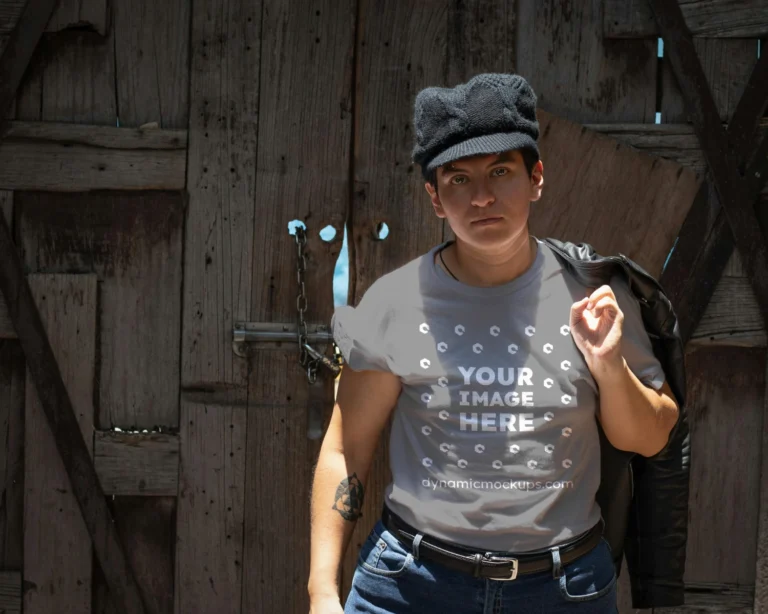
<point>390,579</point>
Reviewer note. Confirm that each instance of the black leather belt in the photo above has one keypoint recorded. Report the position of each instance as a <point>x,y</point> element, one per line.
<point>482,564</point>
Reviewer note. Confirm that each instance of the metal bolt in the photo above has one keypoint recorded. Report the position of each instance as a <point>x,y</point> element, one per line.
<point>757,175</point>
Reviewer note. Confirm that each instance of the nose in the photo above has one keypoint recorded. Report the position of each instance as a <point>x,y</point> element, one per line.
<point>483,196</point>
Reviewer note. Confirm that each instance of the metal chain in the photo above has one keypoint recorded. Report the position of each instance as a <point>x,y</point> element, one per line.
<point>301,304</point>
<point>305,360</point>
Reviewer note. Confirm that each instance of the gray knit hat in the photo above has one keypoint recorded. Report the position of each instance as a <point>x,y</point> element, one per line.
<point>491,113</point>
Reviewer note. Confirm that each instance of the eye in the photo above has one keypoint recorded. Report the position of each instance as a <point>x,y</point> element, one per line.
<point>454,179</point>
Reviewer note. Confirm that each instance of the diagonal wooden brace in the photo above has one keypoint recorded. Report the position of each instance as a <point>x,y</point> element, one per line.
<point>41,362</point>
<point>726,153</point>
<point>705,242</point>
<point>54,398</point>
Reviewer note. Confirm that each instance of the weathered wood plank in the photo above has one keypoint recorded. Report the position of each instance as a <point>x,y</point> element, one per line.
<point>57,546</point>
<point>70,157</point>
<point>78,79</point>
<point>209,545</point>
<point>577,74</point>
<point>711,18</point>
<point>480,37</point>
<point>647,197</point>
<point>311,80</point>
<point>132,241</point>
<point>10,592</point>
<point>68,13</point>
<point>676,142</point>
<point>727,64</point>
<point>100,137</point>
<point>137,464</point>
<point>11,432</point>
<point>147,527</point>
<point>152,62</point>
<point>218,266</point>
<point>12,375</point>
<point>761,557</point>
<point>281,447</point>
<point>726,445</point>
<point>57,167</point>
<point>222,160</point>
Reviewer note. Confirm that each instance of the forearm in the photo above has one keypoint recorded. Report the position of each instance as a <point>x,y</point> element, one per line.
<point>337,497</point>
<point>634,417</point>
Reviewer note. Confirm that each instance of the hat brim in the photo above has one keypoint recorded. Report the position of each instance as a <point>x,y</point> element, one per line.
<point>483,145</point>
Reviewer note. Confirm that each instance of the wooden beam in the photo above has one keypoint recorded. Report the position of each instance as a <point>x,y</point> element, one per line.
<point>143,464</point>
<point>676,142</point>
<point>19,48</point>
<point>103,137</point>
<point>55,400</point>
<point>52,156</point>
<point>710,18</point>
<point>737,203</point>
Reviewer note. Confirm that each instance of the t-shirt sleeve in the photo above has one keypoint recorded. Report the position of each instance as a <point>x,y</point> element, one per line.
<point>636,345</point>
<point>362,332</point>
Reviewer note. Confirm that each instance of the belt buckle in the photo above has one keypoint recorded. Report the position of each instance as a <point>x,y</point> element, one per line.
<point>512,575</point>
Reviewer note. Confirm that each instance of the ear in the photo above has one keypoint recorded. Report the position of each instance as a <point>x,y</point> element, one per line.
<point>537,180</point>
<point>437,205</point>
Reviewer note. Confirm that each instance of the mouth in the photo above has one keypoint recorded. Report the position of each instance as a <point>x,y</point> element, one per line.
<point>487,220</point>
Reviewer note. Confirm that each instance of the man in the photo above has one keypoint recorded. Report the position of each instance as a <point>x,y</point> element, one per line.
<point>497,364</point>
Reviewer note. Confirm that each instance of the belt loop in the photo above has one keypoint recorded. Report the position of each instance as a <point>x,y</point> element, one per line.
<point>476,570</point>
<point>556,568</point>
<point>415,545</point>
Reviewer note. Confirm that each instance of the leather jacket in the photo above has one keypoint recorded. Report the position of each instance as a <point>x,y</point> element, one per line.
<point>644,500</point>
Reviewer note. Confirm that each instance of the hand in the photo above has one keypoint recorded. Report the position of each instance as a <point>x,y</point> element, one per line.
<point>596,328</point>
<point>325,604</point>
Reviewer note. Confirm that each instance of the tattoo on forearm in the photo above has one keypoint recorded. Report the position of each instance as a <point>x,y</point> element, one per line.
<point>349,498</point>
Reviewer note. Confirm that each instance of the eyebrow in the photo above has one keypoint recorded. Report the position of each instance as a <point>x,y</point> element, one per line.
<point>504,156</point>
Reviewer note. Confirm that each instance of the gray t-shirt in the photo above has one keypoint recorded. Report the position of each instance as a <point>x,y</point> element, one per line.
<point>494,440</point>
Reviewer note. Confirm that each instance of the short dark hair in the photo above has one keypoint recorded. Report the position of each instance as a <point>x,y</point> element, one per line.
<point>530,158</point>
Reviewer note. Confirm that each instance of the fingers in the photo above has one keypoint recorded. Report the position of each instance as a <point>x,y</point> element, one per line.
<point>608,304</point>
<point>604,290</point>
<point>598,301</point>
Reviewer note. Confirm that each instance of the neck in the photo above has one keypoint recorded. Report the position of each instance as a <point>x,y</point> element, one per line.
<point>475,267</point>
